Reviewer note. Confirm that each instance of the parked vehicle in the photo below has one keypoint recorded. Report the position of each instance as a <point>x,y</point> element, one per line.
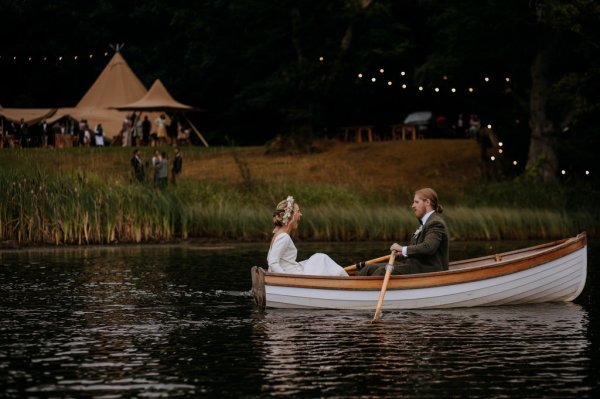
<point>432,125</point>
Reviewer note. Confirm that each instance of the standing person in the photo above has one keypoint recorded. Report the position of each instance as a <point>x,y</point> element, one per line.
<point>428,250</point>
<point>474,125</point>
<point>146,127</point>
<point>126,131</point>
<point>460,125</point>
<point>282,253</point>
<point>138,165</point>
<point>177,164</point>
<point>172,130</point>
<point>161,129</point>
<point>156,162</point>
<point>163,171</point>
<point>99,135</point>
<point>24,133</point>
<point>138,132</point>
<point>45,131</point>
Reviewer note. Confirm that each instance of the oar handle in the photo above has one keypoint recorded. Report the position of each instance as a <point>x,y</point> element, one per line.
<point>388,272</point>
<point>369,262</point>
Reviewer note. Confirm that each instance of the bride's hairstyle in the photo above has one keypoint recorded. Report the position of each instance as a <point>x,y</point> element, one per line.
<point>431,195</point>
<point>284,212</point>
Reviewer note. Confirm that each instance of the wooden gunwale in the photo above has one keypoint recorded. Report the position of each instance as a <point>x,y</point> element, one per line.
<point>540,254</point>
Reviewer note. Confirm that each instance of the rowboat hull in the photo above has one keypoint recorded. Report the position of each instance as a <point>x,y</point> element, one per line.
<point>554,272</point>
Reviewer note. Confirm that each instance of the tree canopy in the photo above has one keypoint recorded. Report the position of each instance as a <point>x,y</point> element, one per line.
<point>263,69</point>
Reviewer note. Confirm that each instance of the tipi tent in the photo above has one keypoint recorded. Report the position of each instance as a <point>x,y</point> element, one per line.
<point>29,115</point>
<point>116,84</point>
<point>158,98</point>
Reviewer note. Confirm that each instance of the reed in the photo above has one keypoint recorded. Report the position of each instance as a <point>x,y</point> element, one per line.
<point>79,196</point>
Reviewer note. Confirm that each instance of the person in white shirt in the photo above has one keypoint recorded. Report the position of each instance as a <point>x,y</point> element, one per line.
<point>282,253</point>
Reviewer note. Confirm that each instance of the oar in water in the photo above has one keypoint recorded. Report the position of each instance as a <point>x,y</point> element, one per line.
<point>388,272</point>
<point>369,262</point>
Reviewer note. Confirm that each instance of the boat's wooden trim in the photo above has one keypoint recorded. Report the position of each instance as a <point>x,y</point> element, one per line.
<point>258,286</point>
<point>582,237</point>
<point>484,268</point>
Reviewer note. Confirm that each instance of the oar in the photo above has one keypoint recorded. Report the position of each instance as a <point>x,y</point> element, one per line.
<point>388,272</point>
<point>376,260</point>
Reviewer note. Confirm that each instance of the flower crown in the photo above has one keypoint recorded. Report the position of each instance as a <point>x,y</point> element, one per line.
<point>289,209</point>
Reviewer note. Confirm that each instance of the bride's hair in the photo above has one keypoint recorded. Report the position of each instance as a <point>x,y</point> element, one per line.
<point>284,212</point>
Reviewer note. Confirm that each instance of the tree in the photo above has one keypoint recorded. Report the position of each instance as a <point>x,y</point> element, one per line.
<point>561,42</point>
<point>550,46</point>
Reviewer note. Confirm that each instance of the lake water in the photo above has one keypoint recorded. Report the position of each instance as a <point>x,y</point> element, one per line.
<point>179,321</point>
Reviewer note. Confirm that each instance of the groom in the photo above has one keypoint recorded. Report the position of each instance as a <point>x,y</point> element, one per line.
<point>428,250</point>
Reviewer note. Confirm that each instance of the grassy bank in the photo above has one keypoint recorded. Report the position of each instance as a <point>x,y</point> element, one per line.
<point>347,191</point>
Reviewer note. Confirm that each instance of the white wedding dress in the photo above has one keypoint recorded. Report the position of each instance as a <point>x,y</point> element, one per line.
<point>282,259</point>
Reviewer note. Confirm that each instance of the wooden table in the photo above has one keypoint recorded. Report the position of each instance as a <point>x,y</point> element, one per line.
<point>358,131</point>
<point>405,129</point>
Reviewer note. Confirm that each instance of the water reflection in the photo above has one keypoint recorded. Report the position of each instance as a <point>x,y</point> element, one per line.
<point>524,350</point>
<point>180,321</point>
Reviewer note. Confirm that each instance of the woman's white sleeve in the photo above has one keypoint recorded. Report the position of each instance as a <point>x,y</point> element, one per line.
<point>274,256</point>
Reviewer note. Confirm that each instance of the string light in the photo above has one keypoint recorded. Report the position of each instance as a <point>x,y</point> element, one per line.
<point>381,70</point>
<point>420,88</point>
<point>373,80</point>
<point>453,90</point>
<point>404,86</point>
<point>471,90</point>
<point>515,163</point>
<point>389,83</point>
<point>489,126</point>
<point>486,79</point>
<point>360,75</point>
<point>437,89</point>
<point>45,58</point>
<point>492,158</point>
<point>563,172</point>
<point>402,73</point>
<point>587,172</point>
<point>321,58</point>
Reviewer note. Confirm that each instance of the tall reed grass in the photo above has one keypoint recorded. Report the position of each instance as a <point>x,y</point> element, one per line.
<point>66,205</point>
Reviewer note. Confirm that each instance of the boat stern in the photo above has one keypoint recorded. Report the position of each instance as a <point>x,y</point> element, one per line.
<point>258,286</point>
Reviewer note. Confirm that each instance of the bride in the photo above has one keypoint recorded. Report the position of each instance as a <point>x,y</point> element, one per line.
<point>282,253</point>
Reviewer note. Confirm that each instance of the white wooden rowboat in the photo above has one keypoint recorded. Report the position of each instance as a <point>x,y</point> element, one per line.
<point>552,272</point>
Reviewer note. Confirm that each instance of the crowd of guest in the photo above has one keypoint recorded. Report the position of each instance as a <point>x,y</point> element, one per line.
<point>135,131</point>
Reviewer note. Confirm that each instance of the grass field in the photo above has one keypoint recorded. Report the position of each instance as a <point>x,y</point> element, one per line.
<point>358,191</point>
